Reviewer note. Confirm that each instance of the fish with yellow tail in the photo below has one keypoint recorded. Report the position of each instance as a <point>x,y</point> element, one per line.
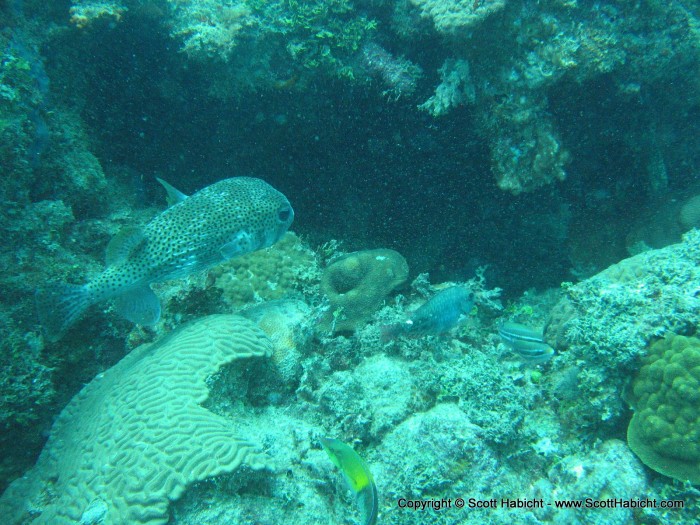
<point>230,218</point>
<point>357,475</point>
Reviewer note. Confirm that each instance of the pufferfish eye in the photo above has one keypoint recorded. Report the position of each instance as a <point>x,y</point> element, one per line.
<point>284,214</point>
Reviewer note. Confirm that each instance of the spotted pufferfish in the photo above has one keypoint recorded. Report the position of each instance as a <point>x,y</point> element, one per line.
<point>225,220</point>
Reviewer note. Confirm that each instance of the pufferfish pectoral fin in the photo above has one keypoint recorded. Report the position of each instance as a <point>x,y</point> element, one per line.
<point>241,243</point>
<point>140,306</point>
<point>124,245</point>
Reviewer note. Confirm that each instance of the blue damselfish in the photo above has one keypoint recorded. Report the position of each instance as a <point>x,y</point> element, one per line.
<point>441,313</point>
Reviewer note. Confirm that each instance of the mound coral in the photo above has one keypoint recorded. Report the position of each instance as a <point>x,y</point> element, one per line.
<point>136,436</point>
<point>451,16</point>
<point>287,323</point>
<point>266,275</point>
<point>665,429</point>
<point>357,284</point>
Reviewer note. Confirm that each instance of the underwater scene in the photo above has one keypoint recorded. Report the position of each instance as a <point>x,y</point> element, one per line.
<point>350,262</point>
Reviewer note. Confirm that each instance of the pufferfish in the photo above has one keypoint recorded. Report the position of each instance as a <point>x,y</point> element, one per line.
<point>225,220</point>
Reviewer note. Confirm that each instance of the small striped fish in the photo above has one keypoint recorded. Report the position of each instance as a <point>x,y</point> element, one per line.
<point>527,343</point>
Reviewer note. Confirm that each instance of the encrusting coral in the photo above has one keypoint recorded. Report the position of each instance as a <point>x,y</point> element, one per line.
<point>287,322</point>
<point>136,436</point>
<point>357,283</point>
<point>267,275</point>
<point>603,324</point>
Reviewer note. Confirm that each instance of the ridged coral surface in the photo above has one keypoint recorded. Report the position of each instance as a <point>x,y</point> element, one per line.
<point>136,436</point>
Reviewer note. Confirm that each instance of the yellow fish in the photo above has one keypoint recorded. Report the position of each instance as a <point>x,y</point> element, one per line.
<point>357,476</point>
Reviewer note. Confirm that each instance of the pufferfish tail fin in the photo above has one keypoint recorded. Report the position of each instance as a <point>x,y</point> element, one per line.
<point>59,306</point>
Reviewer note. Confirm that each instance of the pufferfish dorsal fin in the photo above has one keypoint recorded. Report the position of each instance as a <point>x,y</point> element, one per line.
<point>174,195</point>
<point>124,244</point>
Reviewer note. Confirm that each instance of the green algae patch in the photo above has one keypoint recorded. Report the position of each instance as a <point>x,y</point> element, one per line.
<point>665,429</point>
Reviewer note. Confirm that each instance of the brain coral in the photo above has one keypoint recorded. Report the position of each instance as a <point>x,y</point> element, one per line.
<point>357,283</point>
<point>665,429</point>
<point>136,436</point>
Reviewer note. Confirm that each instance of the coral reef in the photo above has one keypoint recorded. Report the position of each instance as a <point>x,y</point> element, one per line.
<point>452,16</point>
<point>526,53</point>
<point>137,435</point>
<point>398,74</point>
<point>322,34</point>
<point>27,392</point>
<point>85,12</point>
<point>283,271</point>
<point>357,283</point>
<point>374,397</point>
<point>287,322</point>
<point>519,56</point>
<point>666,398</point>
<point>210,28</point>
<point>456,89</point>
<point>429,439</point>
<point>388,123</point>
<point>607,471</point>
<point>526,150</point>
<point>607,321</point>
